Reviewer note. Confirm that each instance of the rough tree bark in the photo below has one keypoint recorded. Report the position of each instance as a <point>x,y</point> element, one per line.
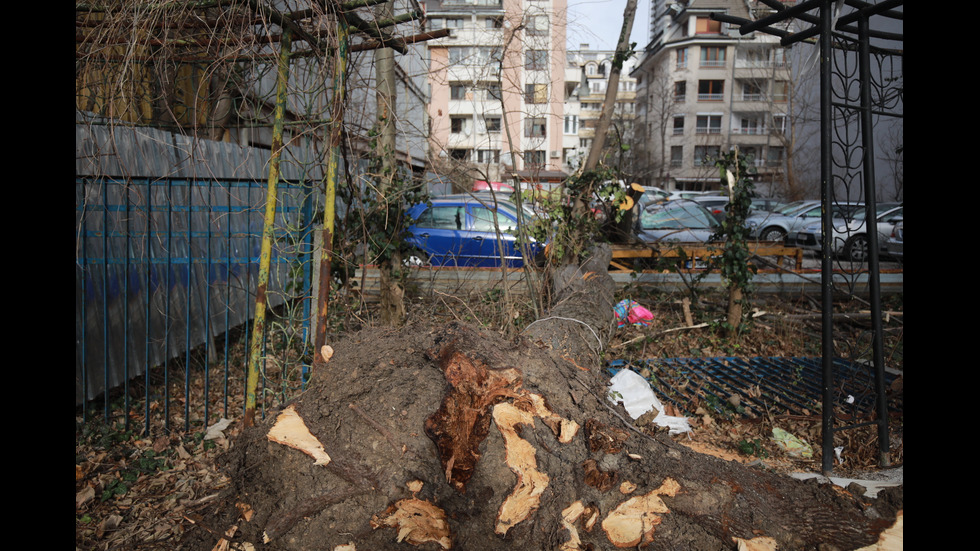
<point>452,438</point>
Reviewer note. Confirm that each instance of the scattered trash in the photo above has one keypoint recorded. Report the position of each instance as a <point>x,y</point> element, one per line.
<point>630,312</point>
<point>216,431</point>
<point>792,445</point>
<point>638,398</point>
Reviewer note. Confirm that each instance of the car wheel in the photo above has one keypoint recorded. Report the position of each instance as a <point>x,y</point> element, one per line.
<point>772,234</point>
<point>416,258</point>
<point>856,248</point>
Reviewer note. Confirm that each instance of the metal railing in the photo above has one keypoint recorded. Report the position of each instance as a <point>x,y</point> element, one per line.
<point>165,271</point>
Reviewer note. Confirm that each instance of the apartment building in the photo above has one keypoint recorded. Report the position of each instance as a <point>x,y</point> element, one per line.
<point>704,88</point>
<point>590,69</point>
<point>498,88</point>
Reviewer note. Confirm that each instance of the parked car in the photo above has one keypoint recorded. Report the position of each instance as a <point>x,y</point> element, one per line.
<point>459,230</point>
<point>850,234</point>
<point>776,226</point>
<point>764,204</point>
<point>715,204</point>
<point>678,220</point>
<point>895,244</point>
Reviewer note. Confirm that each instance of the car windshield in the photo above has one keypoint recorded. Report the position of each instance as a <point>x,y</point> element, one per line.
<point>790,208</point>
<point>673,216</point>
<point>862,213</point>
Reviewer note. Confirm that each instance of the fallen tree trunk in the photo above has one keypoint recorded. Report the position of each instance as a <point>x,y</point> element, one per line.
<point>450,437</point>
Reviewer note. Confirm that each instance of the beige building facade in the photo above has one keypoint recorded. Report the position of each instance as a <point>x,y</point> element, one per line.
<point>703,89</point>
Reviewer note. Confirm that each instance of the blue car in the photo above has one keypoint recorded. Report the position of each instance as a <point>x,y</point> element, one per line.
<point>459,230</point>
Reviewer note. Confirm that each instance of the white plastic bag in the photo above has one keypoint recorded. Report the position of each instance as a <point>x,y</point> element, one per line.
<point>630,388</point>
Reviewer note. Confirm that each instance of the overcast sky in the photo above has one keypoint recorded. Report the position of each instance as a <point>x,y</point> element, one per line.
<point>599,22</point>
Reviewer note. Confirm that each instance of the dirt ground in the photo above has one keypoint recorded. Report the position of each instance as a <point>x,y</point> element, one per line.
<point>372,413</point>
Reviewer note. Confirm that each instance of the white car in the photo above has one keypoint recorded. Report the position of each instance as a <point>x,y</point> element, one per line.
<point>850,236</point>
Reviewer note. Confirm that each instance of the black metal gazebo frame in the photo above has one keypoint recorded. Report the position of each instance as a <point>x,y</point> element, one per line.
<point>824,23</point>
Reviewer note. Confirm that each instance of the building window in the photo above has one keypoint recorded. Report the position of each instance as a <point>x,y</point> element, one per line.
<point>681,58</point>
<point>534,159</point>
<point>493,91</point>
<point>705,25</point>
<point>460,55</point>
<point>775,156</point>
<point>460,154</point>
<point>680,91</point>
<point>751,125</point>
<point>713,56</point>
<point>571,124</point>
<point>488,156</point>
<point>492,123</point>
<point>495,22</point>
<point>676,156</point>
<point>709,124</point>
<point>779,124</point>
<point>536,93</point>
<point>751,91</point>
<point>535,127</point>
<point>678,125</point>
<point>458,125</point>
<point>536,60</point>
<point>711,90</point>
<point>706,155</point>
<point>457,91</point>
<point>780,90</point>
<point>751,154</point>
<point>780,57</point>
<point>537,25</point>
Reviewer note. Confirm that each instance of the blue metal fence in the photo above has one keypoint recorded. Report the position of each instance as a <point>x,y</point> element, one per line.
<point>165,268</point>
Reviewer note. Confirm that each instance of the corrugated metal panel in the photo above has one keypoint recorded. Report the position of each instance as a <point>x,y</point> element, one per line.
<point>106,149</point>
<point>165,265</point>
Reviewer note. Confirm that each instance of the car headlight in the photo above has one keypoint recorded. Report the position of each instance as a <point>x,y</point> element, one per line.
<point>751,223</point>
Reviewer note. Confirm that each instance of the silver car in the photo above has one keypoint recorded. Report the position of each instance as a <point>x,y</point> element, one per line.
<point>678,220</point>
<point>849,235</point>
<point>790,219</point>
<point>895,244</point>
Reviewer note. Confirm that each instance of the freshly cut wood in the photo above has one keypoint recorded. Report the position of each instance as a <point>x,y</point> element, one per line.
<point>290,430</point>
<point>892,539</point>
<point>756,544</point>
<point>633,522</point>
<point>568,519</point>
<point>417,522</point>
<point>564,429</point>
<point>520,457</point>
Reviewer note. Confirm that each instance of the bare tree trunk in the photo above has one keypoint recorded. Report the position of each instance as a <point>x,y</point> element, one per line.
<point>392,294</point>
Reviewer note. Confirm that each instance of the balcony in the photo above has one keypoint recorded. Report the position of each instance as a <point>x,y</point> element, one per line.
<point>711,97</point>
